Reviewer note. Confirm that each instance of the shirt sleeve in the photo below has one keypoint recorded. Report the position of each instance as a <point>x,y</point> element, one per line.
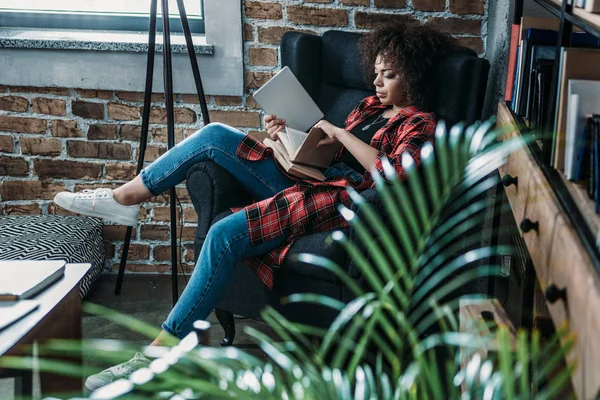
<point>415,133</point>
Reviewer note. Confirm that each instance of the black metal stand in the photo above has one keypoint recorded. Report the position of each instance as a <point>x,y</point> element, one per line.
<point>168,86</point>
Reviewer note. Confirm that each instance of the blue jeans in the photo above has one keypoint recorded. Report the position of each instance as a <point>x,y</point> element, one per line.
<point>227,241</point>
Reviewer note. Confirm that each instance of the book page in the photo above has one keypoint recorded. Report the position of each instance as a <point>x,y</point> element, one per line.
<point>296,139</point>
<point>310,154</point>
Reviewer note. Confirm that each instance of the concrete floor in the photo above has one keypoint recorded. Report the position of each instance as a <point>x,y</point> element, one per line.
<point>148,298</point>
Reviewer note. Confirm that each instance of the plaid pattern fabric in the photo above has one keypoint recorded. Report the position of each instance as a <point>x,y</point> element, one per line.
<point>311,206</point>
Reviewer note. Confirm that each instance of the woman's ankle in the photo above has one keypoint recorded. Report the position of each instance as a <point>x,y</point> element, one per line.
<point>123,199</point>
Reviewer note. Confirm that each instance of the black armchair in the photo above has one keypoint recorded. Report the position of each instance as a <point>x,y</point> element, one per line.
<point>329,69</point>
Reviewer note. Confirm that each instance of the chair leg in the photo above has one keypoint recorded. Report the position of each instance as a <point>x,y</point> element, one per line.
<point>225,318</point>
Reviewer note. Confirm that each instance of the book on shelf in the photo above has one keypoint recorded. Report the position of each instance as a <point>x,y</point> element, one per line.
<point>512,61</point>
<point>584,99</point>
<point>13,311</point>
<point>575,63</point>
<point>542,74</point>
<point>539,55</point>
<point>296,151</point>
<point>24,279</point>
<point>592,6</point>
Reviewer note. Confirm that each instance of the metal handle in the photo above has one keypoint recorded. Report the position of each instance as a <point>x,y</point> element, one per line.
<point>528,225</point>
<point>508,180</point>
<point>553,294</point>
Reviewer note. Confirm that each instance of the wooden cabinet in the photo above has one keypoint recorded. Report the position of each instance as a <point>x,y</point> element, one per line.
<point>563,267</point>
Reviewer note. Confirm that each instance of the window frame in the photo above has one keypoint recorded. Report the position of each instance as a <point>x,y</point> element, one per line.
<point>95,21</point>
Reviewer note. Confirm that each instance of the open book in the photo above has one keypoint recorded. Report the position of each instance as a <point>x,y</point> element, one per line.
<point>284,96</point>
<point>298,154</point>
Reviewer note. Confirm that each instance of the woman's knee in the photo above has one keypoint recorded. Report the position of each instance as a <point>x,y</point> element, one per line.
<point>217,131</point>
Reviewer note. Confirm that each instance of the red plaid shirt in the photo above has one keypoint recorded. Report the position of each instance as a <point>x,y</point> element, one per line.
<point>311,206</point>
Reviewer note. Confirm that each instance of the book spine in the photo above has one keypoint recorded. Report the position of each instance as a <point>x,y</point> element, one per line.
<point>512,62</point>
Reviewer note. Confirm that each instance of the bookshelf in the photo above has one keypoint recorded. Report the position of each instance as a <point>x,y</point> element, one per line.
<point>571,196</point>
<point>564,243</point>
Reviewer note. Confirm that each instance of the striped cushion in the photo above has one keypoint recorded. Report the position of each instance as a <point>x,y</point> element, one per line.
<point>50,237</point>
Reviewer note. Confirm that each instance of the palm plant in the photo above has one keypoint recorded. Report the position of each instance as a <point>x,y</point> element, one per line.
<point>399,338</point>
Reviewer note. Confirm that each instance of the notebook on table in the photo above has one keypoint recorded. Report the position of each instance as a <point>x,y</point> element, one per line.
<point>25,279</point>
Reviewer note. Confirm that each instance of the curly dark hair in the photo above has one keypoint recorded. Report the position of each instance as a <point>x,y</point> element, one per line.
<point>412,50</point>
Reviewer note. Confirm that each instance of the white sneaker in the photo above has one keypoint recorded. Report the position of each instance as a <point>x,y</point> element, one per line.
<point>98,203</point>
<point>117,372</point>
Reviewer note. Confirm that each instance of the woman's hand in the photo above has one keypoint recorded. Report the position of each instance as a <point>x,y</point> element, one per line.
<point>333,132</point>
<point>273,125</point>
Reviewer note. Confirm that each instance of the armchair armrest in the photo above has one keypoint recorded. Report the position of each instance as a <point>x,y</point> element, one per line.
<point>213,190</point>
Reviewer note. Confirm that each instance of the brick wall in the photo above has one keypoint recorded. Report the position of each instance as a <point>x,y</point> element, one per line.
<point>53,139</point>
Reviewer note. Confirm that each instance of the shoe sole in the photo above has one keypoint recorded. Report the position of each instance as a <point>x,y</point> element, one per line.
<point>99,214</point>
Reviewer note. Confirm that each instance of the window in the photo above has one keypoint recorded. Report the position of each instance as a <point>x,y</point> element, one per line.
<point>130,15</point>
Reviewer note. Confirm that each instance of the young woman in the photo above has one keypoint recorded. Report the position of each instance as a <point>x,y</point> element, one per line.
<point>402,60</point>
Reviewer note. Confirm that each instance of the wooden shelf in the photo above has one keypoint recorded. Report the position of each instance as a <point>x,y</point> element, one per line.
<point>578,192</point>
<point>587,21</point>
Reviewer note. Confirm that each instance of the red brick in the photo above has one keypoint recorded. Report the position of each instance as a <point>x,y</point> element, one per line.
<point>248,32</point>
<point>30,190</point>
<point>250,102</point>
<point>6,144</point>
<point>137,251</point>
<point>131,132</point>
<point>14,104</point>
<point>123,112</point>
<point>83,186</point>
<point>223,101</point>
<point>158,115</point>
<point>22,125</point>
<point>53,209</point>
<point>96,94</point>
<point>317,16</point>
<point>370,20</point>
<point>263,10</point>
<point>40,90</point>
<point>120,171</point>
<point>109,251</point>
<point>104,150</point>
<point>254,80</point>
<point>153,152</point>
<point>429,5</point>
<point>13,166</point>
<point>262,56</point>
<point>163,214</point>
<point>455,25</point>
<point>188,233</point>
<point>155,232</point>
<point>42,105</point>
<point>102,132</point>
<point>163,253</point>
<point>22,209</point>
<point>161,135</point>
<point>67,169</point>
<point>116,232</point>
<point>236,118</point>
<point>62,128</point>
<point>474,43</point>
<point>40,146</point>
<point>259,135</point>
<point>182,194</point>
<point>273,34</point>
<point>467,6</point>
<point>86,109</point>
<point>189,215</point>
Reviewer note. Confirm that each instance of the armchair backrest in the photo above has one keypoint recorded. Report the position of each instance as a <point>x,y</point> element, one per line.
<point>329,68</point>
